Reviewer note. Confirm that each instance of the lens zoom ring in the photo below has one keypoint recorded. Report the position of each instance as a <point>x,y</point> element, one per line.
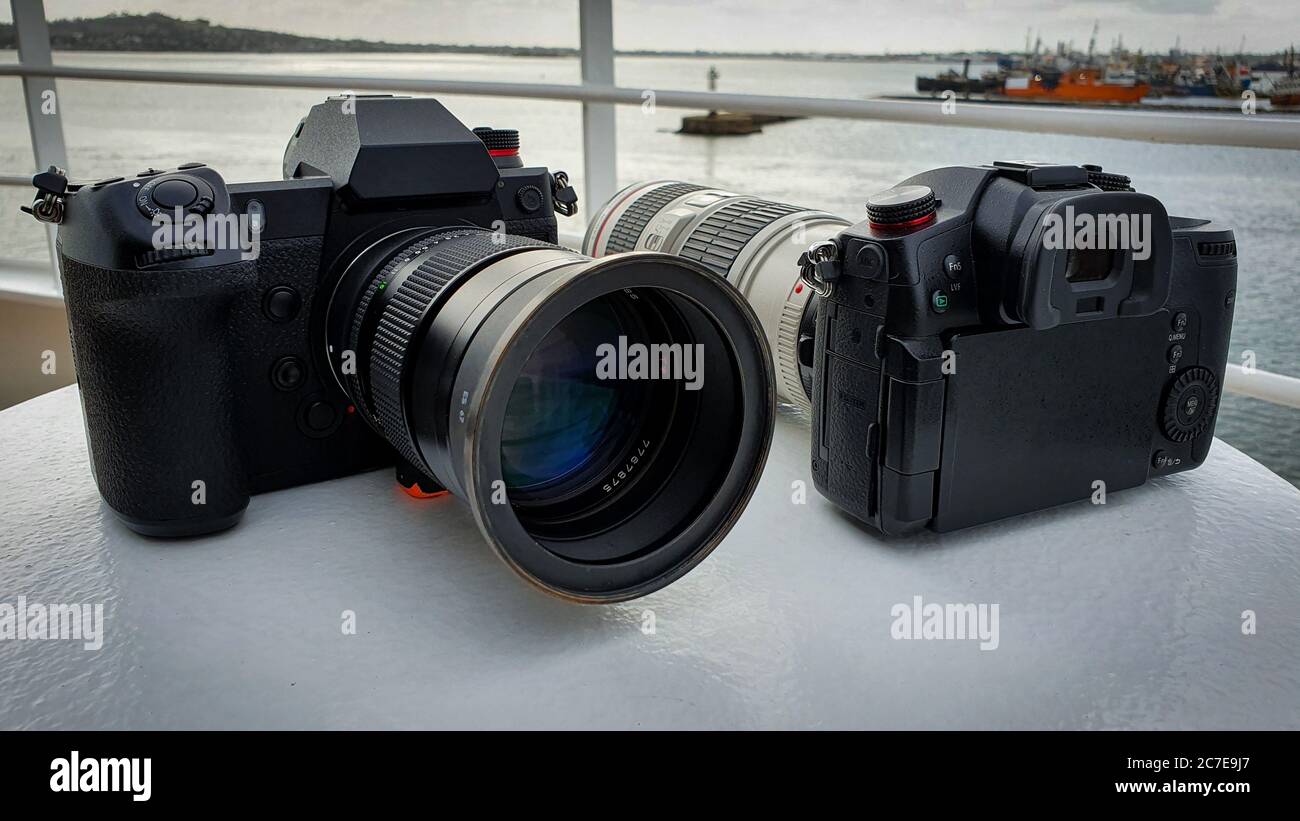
<point>449,255</point>
<point>627,231</point>
<point>385,274</point>
<point>718,240</point>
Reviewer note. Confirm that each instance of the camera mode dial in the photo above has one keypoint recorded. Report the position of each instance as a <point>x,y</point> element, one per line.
<point>1189,405</point>
<point>1106,181</point>
<point>168,192</point>
<point>902,207</point>
<point>499,140</point>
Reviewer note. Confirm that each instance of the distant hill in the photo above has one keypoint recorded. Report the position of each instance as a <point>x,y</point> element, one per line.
<point>159,32</point>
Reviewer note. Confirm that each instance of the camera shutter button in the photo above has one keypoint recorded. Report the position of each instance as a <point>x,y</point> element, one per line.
<point>174,193</point>
<point>166,194</point>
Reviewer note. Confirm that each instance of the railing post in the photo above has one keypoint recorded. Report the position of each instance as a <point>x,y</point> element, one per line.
<point>600,154</point>
<point>43,119</point>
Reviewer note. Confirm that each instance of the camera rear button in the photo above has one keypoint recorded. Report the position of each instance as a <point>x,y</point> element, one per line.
<point>872,261</point>
<point>1175,354</point>
<point>939,301</point>
<point>952,266</point>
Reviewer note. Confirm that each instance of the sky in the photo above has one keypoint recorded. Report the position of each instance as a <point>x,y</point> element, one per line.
<point>859,26</point>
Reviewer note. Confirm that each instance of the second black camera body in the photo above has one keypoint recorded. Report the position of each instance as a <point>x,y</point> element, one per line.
<point>998,339</point>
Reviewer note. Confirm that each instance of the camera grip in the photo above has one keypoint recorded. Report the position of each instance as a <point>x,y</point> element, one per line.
<point>156,362</point>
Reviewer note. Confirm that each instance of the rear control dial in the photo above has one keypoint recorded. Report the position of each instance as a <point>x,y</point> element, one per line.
<point>1189,404</point>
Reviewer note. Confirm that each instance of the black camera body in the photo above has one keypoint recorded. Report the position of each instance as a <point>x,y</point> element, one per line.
<point>977,356</point>
<point>203,368</point>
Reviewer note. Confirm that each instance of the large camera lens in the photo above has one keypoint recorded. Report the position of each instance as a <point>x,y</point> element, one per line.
<point>561,419</point>
<point>752,243</point>
<point>605,420</point>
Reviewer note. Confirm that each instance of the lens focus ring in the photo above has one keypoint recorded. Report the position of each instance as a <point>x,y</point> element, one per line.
<point>716,242</point>
<point>626,233</point>
<point>408,293</point>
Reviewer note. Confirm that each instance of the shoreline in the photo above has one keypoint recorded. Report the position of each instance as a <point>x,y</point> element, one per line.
<point>1230,106</point>
<point>488,52</point>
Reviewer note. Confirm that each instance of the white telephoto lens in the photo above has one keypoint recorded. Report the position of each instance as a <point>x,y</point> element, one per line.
<point>752,243</point>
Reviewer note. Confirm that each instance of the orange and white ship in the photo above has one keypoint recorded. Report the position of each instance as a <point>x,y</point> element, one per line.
<point>1076,85</point>
<point>1285,92</point>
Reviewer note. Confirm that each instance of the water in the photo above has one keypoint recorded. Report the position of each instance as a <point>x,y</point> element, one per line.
<point>118,128</point>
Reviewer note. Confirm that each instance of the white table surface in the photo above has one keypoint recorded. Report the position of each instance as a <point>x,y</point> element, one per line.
<point>1127,614</point>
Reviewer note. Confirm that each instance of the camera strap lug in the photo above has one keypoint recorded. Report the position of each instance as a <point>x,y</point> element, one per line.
<point>564,196</point>
<point>819,267</point>
<point>52,187</point>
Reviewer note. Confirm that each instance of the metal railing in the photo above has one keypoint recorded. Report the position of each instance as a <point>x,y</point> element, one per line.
<point>598,95</point>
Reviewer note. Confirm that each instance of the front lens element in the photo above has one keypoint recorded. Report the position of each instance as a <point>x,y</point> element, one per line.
<point>562,419</point>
